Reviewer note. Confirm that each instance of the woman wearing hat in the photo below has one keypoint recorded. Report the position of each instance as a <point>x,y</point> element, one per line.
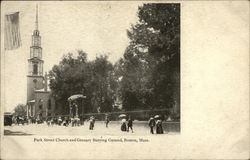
<point>159,129</point>
<point>124,126</point>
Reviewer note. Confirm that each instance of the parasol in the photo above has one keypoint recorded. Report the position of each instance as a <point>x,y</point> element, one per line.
<point>157,116</point>
<point>122,116</point>
<point>76,96</point>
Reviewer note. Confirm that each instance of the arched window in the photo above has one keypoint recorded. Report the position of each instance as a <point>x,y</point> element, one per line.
<point>35,68</point>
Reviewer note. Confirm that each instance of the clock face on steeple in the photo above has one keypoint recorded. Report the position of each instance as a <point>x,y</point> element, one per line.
<point>34,80</point>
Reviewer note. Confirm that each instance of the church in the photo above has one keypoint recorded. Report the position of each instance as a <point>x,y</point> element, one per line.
<point>40,103</point>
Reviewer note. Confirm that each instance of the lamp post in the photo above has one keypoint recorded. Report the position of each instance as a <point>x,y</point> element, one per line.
<point>70,109</point>
<point>76,106</point>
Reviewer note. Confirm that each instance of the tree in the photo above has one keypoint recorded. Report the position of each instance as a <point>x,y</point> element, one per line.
<point>154,51</point>
<point>68,78</point>
<point>103,84</point>
<point>20,110</point>
<point>77,75</point>
<point>132,70</point>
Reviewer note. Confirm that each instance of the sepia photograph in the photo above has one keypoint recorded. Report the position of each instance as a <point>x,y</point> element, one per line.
<point>124,80</point>
<point>90,71</point>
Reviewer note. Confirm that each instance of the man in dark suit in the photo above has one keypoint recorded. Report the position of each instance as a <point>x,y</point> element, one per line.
<point>151,124</point>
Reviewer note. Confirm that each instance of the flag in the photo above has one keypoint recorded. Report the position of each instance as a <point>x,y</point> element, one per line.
<point>12,39</point>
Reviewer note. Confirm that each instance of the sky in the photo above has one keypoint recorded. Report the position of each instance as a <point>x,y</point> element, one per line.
<point>94,27</point>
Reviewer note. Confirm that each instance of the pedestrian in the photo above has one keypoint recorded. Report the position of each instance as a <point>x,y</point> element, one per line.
<point>52,121</point>
<point>66,121</point>
<point>17,120</point>
<point>82,122</point>
<point>47,121</point>
<point>159,129</point>
<point>91,123</point>
<point>59,121</point>
<point>107,121</point>
<point>72,121</point>
<point>123,126</point>
<point>77,120</point>
<point>151,124</point>
<point>130,124</point>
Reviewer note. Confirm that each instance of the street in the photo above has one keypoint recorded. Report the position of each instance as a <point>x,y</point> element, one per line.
<point>139,127</point>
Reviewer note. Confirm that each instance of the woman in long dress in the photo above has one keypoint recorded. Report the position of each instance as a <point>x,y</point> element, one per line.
<point>124,126</point>
<point>159,129</point>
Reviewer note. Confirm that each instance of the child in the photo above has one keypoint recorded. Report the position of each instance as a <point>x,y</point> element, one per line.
<point>107,121</point>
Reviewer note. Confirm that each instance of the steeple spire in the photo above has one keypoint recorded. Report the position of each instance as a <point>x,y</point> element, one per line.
<point>36,17</point>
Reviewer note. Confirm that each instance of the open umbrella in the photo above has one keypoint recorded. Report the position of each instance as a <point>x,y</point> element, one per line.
<point>157,116</point>
<point>76,96</point>
<point>122,116</point>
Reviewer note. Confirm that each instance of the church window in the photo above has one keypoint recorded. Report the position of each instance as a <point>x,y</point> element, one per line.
<point>40,106</point>
<point>39,53</point>
<point>35,68</point>
<point>35,53</point>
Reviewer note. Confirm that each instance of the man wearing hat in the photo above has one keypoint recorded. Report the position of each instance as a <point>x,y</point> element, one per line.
<point>151,124</point>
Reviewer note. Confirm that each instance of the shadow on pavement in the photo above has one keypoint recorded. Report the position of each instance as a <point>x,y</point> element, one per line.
<point>17,133</point>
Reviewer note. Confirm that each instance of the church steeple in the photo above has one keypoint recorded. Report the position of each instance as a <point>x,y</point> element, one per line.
<point>36,17</point>
<point>35,61</point>
<point>36,31</point>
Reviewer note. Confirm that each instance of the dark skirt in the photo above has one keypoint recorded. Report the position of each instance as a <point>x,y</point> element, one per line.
<point>159,129</point>
<point>91,125</point>
<point>123,127</point>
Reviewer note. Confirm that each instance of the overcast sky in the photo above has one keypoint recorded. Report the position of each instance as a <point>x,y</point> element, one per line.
<point>95,27</point>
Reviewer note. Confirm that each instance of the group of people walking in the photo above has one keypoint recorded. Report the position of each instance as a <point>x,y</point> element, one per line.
<point>155,123</point>
<point>126,125</point>
<point>64,121</point>
<point>17,120</point>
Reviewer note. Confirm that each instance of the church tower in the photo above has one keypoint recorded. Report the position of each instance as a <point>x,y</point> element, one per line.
<point>35,64</point>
